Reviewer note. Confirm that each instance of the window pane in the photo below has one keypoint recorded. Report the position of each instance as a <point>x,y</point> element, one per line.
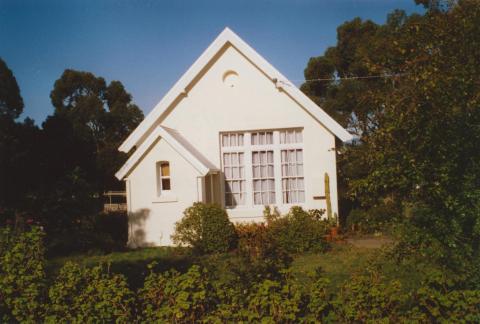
<point>236,199</point>
<point>264,185</point>
<point>282,137</point>
<point>291,137</point>
<point>254,140</point>
<point>299,136</point>
<point>270,171</point>
<point>228,187</point>
<point>270,157</point>
<point>233,140</point>
<point>271,185</point>
<point>300,184</point>
<point>272,197</point>
<point>240,139</point>
<point>224,140</point>
<point>269,138</point>
<point>240,158</point>
<point>234,159</point>
<point>300,170</point>
<point>263,157</point>
<point>261,140</point>
<point>263,173</point>
<point>265,197</point>
<point>255,158</point>
<point>165,167</point>
<point>166,184</point>
<point>299,156</point>
<point>235,173</point>
<point>226,159</point>
<point>236,186</point>
<point>228,172</point>
<point>301,196</point>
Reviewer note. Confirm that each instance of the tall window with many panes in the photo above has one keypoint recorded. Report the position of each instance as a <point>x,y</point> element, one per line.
<point>263,167</point>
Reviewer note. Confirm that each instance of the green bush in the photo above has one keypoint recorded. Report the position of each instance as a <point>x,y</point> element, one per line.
<point>173,297</point>
<point>275,302</point>
<point>81,295</point>
<point>299,231</point>
<point>206,228</point>
<point>369,298</point>
<point>22,275</point>
<point>375,219</point>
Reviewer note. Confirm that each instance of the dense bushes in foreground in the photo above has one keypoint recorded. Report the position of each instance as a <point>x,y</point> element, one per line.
<point>199,295</point>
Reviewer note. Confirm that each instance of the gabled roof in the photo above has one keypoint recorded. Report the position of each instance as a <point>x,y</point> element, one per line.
<point>228,36</point>
<point>178,143</point>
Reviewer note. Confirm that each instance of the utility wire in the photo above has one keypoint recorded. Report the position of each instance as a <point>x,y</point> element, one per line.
<point>384,76</point>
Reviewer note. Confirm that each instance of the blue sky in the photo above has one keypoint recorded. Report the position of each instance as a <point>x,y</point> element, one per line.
<point>148,45</point>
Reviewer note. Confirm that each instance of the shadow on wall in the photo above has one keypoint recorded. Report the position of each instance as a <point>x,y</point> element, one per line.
<point>136,228</point>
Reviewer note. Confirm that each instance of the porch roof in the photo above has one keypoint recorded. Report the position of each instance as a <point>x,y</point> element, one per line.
<point>179,144</point>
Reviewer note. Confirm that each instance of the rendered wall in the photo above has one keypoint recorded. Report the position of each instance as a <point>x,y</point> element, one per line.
<point>211,105</point>
<point>152,218</point>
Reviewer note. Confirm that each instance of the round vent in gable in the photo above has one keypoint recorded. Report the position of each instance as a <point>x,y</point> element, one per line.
<point>230,78</point>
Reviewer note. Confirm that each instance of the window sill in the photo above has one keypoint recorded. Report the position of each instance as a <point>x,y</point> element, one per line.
<point>165,199</point>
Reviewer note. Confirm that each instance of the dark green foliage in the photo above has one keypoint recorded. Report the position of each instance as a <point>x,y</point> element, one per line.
<point>11,102</point>
<point>206,228</point>
<point>378,218</point>
<point>81,295</point>
<point>101,114</point>
<point>275,302</point>
<point>22,275</point>
<point>176,298</point>
<point>55,175</point>
<point>299,231</point>
<point>95,294</point>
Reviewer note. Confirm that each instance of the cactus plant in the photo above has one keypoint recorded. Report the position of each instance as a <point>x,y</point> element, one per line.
<point>327,196</point>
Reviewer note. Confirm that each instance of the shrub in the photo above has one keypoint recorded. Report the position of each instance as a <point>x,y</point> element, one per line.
<point>299,231</point>
<point>368,298</point>
<point>89,295</point>
<point>275,302</point>
<point>206,228</point>
<point>437,300</point>
<point>263,256</point>
<point>22,275</point>
<point>376,219</point>
<point>173,297</point>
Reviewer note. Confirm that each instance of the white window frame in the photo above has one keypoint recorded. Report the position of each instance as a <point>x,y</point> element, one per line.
<point>276,147</point>
<point>160,177</point>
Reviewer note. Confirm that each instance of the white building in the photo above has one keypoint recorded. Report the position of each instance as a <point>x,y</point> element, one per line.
<point>232,131</point>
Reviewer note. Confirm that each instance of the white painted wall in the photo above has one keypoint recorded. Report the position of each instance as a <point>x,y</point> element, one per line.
<point>212,106</point>
<point>152,217</point>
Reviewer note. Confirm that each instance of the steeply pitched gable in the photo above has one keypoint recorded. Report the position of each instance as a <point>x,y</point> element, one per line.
<point>148,125</point>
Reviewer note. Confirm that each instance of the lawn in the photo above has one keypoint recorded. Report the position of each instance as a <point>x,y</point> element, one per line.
<point>337,264</point>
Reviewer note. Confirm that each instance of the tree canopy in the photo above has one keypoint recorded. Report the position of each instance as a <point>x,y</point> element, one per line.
<point>11,102</point>
<point>410,91</point>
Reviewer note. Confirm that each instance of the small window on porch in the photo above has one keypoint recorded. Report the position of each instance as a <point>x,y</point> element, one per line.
<point>163,177</point>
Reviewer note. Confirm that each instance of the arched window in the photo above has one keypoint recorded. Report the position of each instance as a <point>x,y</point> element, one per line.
<point>163,177</point>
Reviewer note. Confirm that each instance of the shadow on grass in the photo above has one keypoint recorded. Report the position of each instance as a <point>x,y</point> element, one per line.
<point>132,263</point>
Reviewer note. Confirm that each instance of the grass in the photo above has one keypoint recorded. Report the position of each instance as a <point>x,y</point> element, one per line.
<point>132,264</point>
<point>337,265</point>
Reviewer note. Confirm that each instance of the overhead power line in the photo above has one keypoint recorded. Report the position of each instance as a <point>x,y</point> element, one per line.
<point>383,76</point>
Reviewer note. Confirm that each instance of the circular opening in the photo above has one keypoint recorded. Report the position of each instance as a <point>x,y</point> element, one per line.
<point>230,78</point>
